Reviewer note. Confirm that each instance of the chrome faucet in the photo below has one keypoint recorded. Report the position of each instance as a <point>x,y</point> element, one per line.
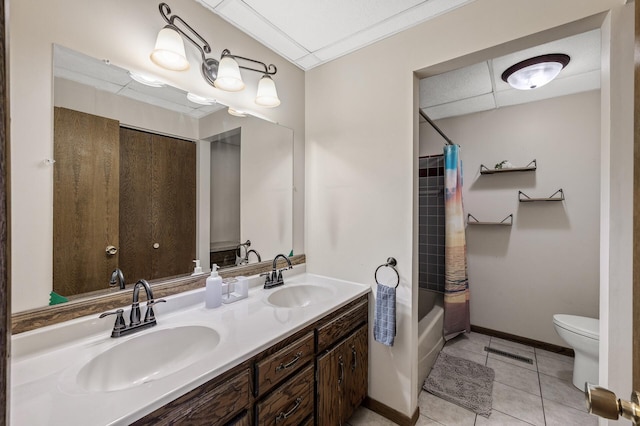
<point>120,328</point>
<point>274,278</point>
<point>244,260</point>
<point>117,277</point>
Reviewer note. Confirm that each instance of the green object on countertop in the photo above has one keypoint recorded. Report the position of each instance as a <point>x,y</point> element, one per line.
<point>55,299</point>
<point>291,253</point>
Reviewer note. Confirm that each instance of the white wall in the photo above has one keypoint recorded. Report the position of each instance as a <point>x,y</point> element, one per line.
<point>124,32</point>
<point>225,190</point>
<point>548,261</point>
<point>360,158</point>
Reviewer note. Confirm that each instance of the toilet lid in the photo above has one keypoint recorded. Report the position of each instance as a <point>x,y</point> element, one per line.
<point>588,327</point>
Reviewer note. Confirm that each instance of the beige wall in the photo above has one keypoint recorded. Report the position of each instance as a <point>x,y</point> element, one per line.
<point>548,261</point>
<point>124,32</point>
<point>361,158</point>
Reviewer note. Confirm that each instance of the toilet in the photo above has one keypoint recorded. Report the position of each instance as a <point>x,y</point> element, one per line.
<point>583,335</point>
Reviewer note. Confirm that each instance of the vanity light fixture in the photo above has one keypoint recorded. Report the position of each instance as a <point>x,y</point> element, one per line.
<point>236,112</point>
<point>535,72</point>
<point>200,100</point>
<point>225,74</point>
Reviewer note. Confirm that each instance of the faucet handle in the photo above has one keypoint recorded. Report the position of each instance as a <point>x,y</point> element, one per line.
<point>149,315</point>
<point>120,323</point>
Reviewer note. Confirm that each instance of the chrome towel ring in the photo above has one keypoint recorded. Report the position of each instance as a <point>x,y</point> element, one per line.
<point>391,263</point>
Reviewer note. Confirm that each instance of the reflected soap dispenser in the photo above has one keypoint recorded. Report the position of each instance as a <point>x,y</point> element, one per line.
<point>213,289</point>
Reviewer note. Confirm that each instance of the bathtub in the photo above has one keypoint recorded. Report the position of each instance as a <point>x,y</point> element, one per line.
<point>430,331</point>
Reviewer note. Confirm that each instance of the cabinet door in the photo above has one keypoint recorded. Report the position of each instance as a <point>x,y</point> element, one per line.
<point>173,206</point>
<point>330,378</point>
<point>85,201</point>
<point>357,371</point>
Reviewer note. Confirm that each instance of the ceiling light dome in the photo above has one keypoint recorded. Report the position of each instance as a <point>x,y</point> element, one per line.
<point>535,72</point>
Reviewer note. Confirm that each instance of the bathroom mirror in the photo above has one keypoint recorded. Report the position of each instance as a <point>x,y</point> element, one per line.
<point>250,193</point>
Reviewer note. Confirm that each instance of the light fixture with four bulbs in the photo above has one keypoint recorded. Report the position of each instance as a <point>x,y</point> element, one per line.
<point>169,53</point>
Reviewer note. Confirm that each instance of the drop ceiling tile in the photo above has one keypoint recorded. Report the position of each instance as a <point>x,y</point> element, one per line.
<point>243,17</point>
<point>212,4</point>
<point>461,107</point>
<point>143,97</point>
<point>454,85</point>
<point>316,24</point>
<point>559,87</point>
<point>584,50</point>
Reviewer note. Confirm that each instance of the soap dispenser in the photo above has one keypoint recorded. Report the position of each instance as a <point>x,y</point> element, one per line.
<point>213,290</point>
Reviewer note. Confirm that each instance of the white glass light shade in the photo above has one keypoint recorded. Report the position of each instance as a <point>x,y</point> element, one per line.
<point>534,76</point>
<point>169,51</point>
<point>145,79</point>
<point>267,95</point>
<point>229,78</point>
<point>236,113</point>
<point>201,100</point>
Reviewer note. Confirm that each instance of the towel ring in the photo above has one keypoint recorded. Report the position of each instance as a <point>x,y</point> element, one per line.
<point>391,263</point>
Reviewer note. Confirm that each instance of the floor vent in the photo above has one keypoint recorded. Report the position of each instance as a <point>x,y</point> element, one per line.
<point>508,355</point>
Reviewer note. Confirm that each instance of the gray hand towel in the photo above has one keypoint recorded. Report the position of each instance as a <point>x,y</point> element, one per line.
<point>384,324</point>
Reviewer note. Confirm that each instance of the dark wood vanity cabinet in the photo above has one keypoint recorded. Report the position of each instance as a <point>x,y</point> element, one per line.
<point>318,376</point>
<point>342,378</point>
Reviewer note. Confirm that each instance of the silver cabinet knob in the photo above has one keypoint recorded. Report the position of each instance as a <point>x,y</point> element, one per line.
<point>156,245</point>
<point>111,250</point>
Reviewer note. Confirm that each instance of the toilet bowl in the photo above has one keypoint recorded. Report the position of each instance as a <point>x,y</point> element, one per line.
<point>583,335</point>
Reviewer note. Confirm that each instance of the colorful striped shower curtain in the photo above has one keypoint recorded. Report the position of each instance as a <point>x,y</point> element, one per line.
<point>456,281</point>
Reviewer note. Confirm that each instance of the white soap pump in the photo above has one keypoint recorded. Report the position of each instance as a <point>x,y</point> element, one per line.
<point>197,270</point>
<point>213,290</point>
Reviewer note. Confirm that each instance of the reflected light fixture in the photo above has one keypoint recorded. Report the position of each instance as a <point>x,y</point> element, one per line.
<point>145,79</point>
<point>535,72</point>
<point>225,74</point>
<point>200,100</point>
<point>236,112</point>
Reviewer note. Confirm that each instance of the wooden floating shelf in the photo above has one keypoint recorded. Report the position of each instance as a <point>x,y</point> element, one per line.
<point>553,197</point>
<point>507,221</point>
<point>532,166</point>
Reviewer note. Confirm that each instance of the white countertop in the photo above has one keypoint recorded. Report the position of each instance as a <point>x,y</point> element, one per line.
<point>45,361</point>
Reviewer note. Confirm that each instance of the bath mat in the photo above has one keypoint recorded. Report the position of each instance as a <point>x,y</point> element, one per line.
<point>465,383</point>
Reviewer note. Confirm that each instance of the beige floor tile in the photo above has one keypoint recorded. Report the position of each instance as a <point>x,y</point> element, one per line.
<point>426,421</point>
<point>366,417</point>
<point>516,351</point>
<point>444,412</point>
<point>562,391</point>
<point>553,355</point>
<point>467,343</point>
<point>462,353</point>
<point>560,415</point>
<point>481,339</point>
<point>519,404</point>
<point>511,344</point>
<point>515,376</point>
<point>499,419</point>
<point>555,368</point>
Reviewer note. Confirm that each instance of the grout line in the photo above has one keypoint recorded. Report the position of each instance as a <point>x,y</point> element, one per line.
<point>544,415</point>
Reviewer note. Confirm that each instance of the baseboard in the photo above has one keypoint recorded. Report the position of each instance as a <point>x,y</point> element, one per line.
<point>524,340</point>
<point>390,413</point>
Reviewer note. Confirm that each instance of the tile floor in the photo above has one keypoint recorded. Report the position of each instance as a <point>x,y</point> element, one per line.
<point>523,394</point>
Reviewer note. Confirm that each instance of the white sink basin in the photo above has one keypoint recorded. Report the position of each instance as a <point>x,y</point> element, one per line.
<point>147,357</point>
<point>299,296</point>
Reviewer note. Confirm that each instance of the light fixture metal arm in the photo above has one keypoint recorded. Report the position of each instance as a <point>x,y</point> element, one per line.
<point>268,69</point>
<point>165,11</point>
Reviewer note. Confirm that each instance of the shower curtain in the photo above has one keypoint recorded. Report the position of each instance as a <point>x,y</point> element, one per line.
<point>456,282</point>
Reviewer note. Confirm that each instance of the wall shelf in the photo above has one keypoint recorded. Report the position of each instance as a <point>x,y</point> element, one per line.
<point>507,221</point>
<point>532,166</point>
<point>552,197</point>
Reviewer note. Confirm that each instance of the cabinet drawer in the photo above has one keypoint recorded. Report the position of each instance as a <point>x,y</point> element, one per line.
<point>211,403</point>
<point>272,370</point>
<point>289,404</point>
<point>341,326</point>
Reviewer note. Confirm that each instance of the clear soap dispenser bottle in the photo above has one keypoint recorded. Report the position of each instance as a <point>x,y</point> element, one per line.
<point>213,290</point>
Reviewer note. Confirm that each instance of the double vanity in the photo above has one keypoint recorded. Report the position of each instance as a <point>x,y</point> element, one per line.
<point>296,354</point>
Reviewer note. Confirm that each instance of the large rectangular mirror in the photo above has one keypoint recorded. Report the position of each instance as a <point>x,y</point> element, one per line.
<point>186,180</point>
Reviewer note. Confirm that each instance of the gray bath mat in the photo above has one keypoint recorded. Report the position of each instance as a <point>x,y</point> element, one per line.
<point>465,383</point>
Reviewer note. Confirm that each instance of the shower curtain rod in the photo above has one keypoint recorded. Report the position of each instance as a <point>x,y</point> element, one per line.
<point>437,129</point>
